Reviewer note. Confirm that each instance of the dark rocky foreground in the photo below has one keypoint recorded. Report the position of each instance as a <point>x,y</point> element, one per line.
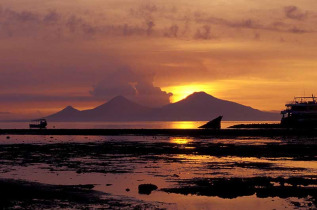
<point>266,132</point>
<point>17,194</point>
<point>224,168</point>
<point>262,187</point>
<point>23,194</point>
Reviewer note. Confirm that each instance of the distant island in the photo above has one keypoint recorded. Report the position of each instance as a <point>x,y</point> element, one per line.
<point>198,106</point>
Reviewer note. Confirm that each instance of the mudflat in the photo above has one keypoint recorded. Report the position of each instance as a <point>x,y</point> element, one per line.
<point>91,171</point>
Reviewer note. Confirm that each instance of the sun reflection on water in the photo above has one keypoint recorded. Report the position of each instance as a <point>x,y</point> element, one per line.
<point>181,141</point>
<point>186,124</point>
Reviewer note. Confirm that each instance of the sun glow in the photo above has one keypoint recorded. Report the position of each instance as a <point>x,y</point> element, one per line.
<point>182,91</point>
<point>180,140</point>
<point>185,124</point>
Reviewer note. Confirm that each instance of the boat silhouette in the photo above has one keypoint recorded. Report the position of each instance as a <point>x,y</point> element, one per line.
<point>38,123</point>
<point>302,112</point>
<point>213,124</point>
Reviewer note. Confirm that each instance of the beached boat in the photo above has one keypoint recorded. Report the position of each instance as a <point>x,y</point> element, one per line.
<point>302,112</point>
<point>213,124</point>
<point>39,123</point>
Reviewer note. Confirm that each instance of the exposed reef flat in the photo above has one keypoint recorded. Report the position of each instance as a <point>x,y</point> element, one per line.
<point>258,125</point>
<point>151,172</point>
<point>262,187</point>
<point>266,132</point>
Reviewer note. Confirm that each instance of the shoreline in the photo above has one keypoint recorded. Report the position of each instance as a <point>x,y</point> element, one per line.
<point>271,132</point>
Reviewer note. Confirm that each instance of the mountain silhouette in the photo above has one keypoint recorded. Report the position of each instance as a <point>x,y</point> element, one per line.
<point>197,106</point>
<point>117,109</point>
<point>67,114</point>
<point>201,106</point>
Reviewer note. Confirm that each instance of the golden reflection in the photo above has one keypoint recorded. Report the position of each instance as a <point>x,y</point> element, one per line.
<point>185,124</point>
<point>181,141</point>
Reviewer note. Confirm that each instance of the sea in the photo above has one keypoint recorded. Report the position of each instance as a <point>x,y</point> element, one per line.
<point>127,125</point>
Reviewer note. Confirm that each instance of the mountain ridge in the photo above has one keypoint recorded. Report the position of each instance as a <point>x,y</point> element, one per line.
<point>195,107</point>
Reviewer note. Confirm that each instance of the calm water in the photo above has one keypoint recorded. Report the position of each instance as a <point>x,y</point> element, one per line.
<point>123,125</point>
<point>117,165</point>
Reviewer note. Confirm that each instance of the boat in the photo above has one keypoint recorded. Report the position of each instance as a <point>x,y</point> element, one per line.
<point>302,112</point>
<point>39,123</point>
<point>213,124</point>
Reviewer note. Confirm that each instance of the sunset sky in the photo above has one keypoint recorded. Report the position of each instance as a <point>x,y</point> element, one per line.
<point>83,53</point>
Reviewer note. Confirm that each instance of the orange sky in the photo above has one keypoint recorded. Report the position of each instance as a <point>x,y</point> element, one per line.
<point>59,53</point>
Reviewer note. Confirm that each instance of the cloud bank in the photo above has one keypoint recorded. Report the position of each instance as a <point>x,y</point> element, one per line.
<point>145,20</point>
<point>135,86</point>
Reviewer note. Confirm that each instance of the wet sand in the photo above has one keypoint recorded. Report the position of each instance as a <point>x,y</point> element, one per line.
<point>39,171</point>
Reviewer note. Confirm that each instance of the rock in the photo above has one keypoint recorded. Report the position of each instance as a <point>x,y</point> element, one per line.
<point>8,137</point>
<point>128,190</point>
<point>147,188</point>
<point>297,204</point>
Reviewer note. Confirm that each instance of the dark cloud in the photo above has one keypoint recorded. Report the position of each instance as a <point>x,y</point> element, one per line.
<point>296,30</point>
<point>5,113</point>
<point>203,33</point>
<point>249,24</point>
<point>245,23</point>
<point>56,25</point>
<point>146,20</point>
<point>129,30</point>
<point>23,16</point>
<point>150,25</point>
<point>52,17</point>
<point>135,86</point>
<point>42,98</point>
<point>295,13</point>
<point>172,31</point>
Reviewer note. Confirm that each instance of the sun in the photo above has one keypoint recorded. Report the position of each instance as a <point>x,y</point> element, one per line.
<point>182,91</point>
